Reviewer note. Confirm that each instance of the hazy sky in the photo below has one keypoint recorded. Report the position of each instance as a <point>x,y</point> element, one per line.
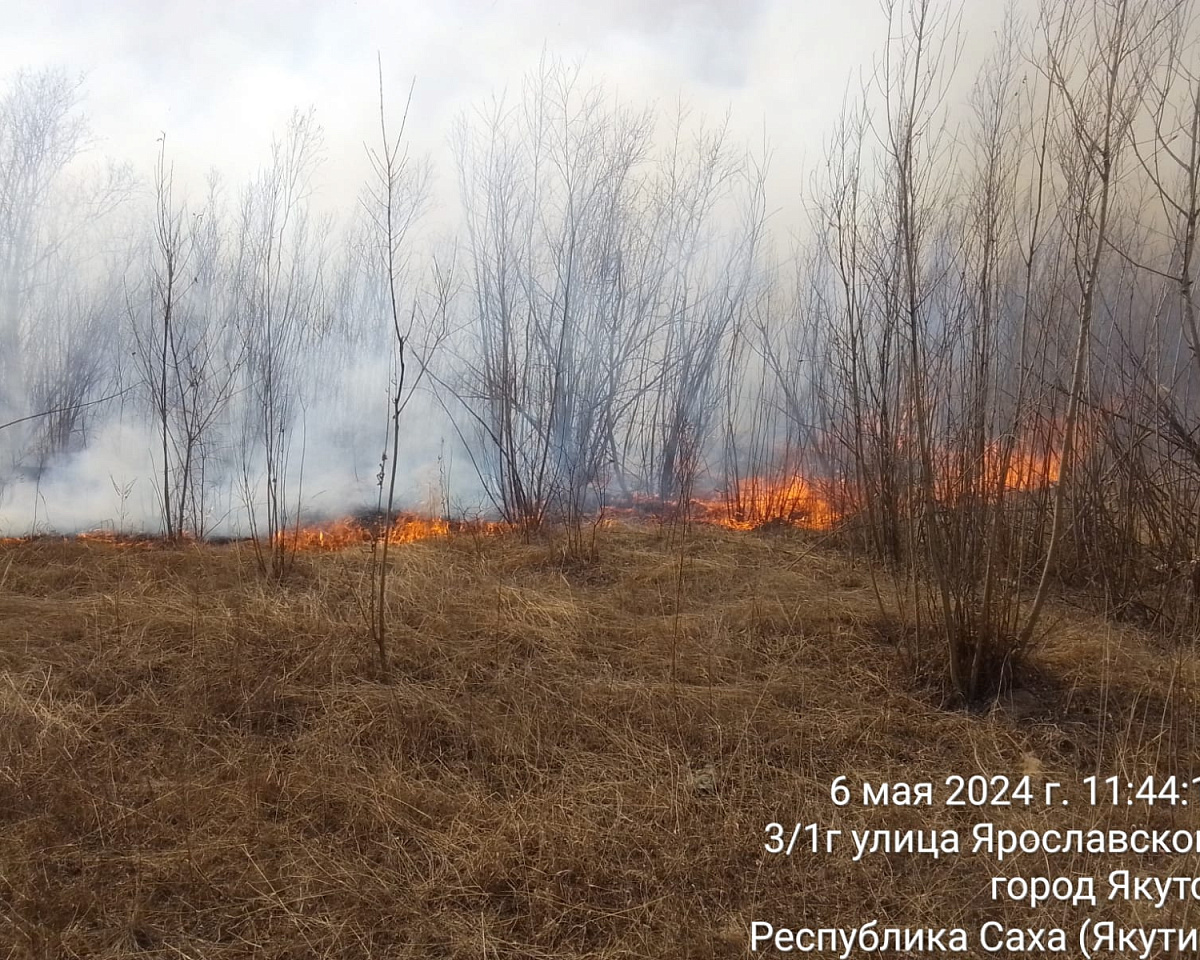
<point>221,77</point>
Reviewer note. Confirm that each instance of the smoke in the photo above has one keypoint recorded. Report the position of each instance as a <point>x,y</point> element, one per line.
<point>574,281</point>
<point>112,482</point>
<point>107,484</point>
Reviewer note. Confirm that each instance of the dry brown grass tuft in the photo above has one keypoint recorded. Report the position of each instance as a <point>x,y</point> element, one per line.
<point>196,763</point>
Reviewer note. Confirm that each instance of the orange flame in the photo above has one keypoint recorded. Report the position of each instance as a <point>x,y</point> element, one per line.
<point>1024,470</point>
<point>406,528</point>
<point>339,534</point>
<point>1019,470</point>
<point>752,503</point>
<point>758,502</point>
<point>811,504</point>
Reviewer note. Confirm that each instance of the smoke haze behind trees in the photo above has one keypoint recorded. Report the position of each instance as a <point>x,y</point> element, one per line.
<point>617,295</point>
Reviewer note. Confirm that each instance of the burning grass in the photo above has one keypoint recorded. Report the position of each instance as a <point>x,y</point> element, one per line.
<point>405,528</point>
<point>196,763</point>
<point>756,502</point>
<point>822,504</point>
<point>746,504</point>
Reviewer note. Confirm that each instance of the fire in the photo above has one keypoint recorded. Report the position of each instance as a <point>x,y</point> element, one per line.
<point>813,504</point>
<point>326,536</point>
<point>757,502</point>
<point>1025,470</point>
<point>334,535</point>
<point>339,534</point>
<point>1017,470</point>
<point>405,528</point>
<point>749,504</point>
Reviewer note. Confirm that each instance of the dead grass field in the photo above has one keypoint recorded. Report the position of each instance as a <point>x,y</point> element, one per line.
<point>196,763</point>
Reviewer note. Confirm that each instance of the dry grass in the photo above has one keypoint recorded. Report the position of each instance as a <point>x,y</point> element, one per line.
<point>194,763</point>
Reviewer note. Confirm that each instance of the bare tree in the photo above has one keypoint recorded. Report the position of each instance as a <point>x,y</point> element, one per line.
<point>393,202</point>
<point>560,311</point>
<point>186,352</point>
<point>1100,60</point>
<point>279,283</point>
<point>41,132</point>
